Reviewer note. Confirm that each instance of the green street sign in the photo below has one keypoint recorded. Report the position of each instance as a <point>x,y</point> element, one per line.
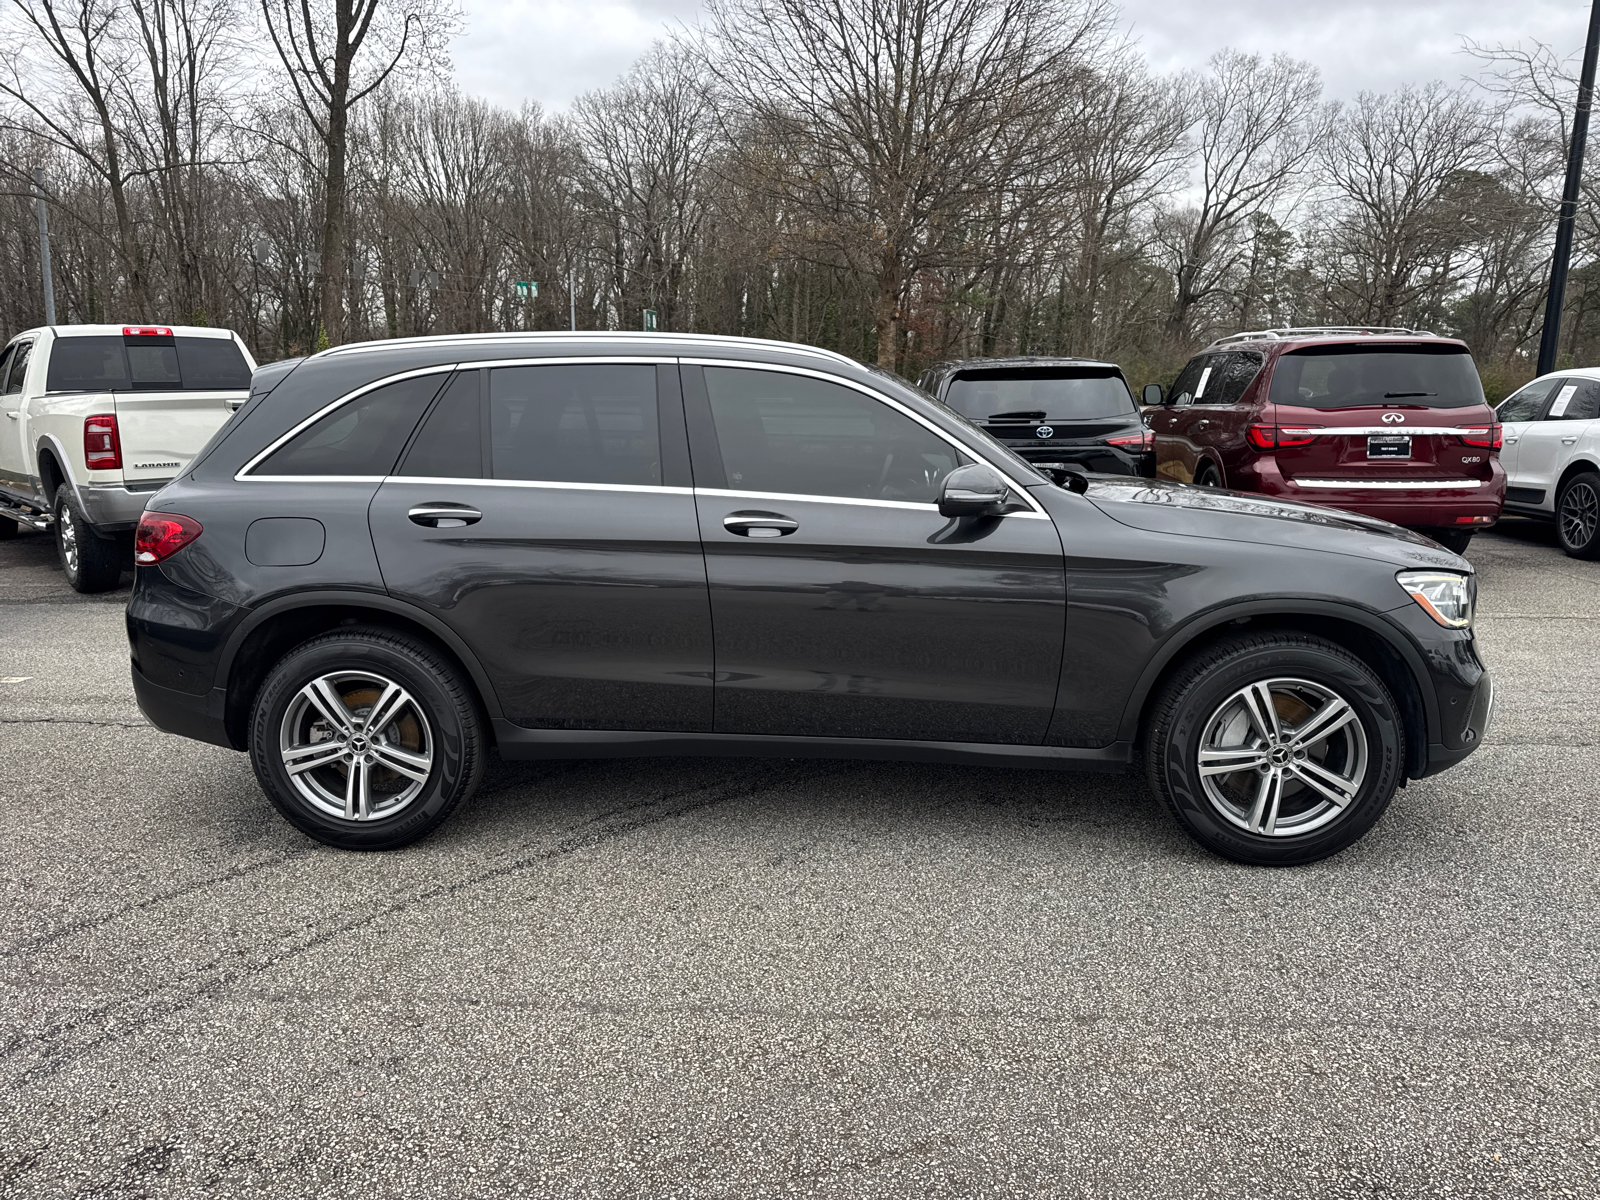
<point>527,289</point>
<point>649,320</point>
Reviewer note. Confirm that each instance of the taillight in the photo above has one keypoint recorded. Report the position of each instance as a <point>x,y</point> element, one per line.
<point>102,450</point>
<point>1143,440</point>
<point>146,331</point>
<point>161,535</point>
<point>1274,437</point>
<point>1482,435</point>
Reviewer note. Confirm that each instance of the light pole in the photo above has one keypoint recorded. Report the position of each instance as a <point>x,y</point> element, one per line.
<point>44,247</point>
<point>1550,338</point>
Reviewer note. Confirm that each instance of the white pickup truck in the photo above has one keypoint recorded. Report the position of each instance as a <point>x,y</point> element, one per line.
<point>96,419</point>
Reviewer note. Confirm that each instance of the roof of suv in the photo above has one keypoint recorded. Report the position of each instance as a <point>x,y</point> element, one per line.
<point>1020,360</point>
<point>1305,335</point>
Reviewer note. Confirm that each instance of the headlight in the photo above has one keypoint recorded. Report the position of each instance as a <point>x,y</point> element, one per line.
<point>1443,595</point>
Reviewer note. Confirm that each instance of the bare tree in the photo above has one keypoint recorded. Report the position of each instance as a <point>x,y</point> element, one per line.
<point>337,53</point>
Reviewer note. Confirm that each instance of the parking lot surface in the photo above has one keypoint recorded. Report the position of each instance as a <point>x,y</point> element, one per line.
<point>729,978</point>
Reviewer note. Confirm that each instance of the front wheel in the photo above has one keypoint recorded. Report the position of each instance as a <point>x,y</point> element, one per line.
<point>1275,749</point>
<point>1454,540</point>
<point>1578,516</point>
<point>366,739</point>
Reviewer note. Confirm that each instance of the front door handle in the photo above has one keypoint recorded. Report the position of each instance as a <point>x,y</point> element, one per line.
<point>1511,441</point>
<point>13,414</point>
<point>1569,441</point>
<point>444,515</point>
<point>750,523</point>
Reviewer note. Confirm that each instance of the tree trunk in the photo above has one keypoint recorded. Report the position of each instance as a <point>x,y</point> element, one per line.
<point>330,279</point>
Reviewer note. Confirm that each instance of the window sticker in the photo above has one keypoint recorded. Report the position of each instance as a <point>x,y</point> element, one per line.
<point>1200,388</point>
<point>1563,398</point>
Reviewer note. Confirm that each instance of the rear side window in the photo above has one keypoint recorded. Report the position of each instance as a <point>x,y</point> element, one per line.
<point>111,363</point>
<point>361,437</point>
<point>1040,393</point>
<point>575,423</point>
<point>450,443</point>
<point>1231,374</point>
<point>1527,404</point>
<point>1334,377</point>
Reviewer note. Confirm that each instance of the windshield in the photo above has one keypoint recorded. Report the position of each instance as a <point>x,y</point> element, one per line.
<point>1040,394</point>
<point>1330,377</point>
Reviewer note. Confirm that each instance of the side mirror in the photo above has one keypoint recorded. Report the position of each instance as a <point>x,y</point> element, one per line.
<point>972,491</point>
<point>1152,395</point>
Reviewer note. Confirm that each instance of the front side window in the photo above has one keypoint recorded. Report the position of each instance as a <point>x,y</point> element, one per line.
<point>1040,393</point>
<point>1527,404</point>
<point>5,368</point>
<point>794,434</point>
<point>1358,376</point>
<point>1193,380</point>
<point>361,437</point>
<point>1575,400</point>
<point>575,423</point>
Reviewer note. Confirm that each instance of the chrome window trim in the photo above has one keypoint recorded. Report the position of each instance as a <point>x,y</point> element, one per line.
<point>621,360</point>
<point>243,474</point>
<point>1020,488</point>
<point>468,481</point>
<point>781,497</point>
<point>1410,485</point>
<point>308,478</point>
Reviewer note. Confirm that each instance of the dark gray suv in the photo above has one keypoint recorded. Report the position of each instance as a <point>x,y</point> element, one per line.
<point>398,556</point>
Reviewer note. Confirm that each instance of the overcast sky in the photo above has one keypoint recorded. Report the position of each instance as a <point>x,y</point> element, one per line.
<point>552,50</point>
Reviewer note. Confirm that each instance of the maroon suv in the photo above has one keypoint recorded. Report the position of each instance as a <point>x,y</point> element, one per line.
<point>1389,423</point>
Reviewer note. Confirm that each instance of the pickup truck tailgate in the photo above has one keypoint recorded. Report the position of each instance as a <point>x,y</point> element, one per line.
<point>162,431</point>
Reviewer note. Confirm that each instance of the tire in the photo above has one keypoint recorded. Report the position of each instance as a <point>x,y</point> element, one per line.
<point>1205,708</point>
<point>1578,516</point>
<point>91,563</point>
<point>1454,540</point>
<point>8,529</point>
<point>436,733</point>
<point>1207,476</point>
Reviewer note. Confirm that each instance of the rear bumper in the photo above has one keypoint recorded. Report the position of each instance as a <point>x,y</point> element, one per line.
<point>112,507</point>
<point>1435,503</point>
<point>187,715</point>
<point>1100,460</point>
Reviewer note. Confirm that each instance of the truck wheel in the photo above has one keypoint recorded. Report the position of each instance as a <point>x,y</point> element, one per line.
<point>8,528</point>
<point>1578,516</point>
<point>366,739</point>
<point>92,563</point>
<point>1275,749</point>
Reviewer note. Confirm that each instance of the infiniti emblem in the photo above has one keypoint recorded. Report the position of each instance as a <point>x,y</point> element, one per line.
<point>1044,431</point>
<point>1393,418</point>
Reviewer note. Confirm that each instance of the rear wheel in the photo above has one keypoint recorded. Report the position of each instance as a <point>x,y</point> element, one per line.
<point>8,528</point>
<point>1275,750</point>
<point>1578,515</point>
<point>366,739</point>
<point>1454,540</point>
<point>1208,476</point>
<point>92,563</point>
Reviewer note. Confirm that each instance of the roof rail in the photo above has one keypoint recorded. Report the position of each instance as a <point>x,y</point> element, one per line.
<point>1279,335</point>
<point>563,335</point>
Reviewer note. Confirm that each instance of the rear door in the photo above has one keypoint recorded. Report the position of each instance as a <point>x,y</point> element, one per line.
<point>543,512</point>
<point>1390,413</point>
<point>1548,444</point>
<point>1516,414</point>
<point>844,605</point>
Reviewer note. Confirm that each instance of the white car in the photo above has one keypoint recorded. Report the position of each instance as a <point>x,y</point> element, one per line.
<point>1551,455</point>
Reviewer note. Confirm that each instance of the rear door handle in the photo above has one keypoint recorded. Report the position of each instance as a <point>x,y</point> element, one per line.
<point>13,414</point>
<point>444,515</point>
<point>759,524</point>
<point>1511,441</point>
<point>1569,441</point>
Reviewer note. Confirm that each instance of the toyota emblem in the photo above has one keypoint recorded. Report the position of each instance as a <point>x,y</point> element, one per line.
<point>1044,431</point>
<point>1393,418</point>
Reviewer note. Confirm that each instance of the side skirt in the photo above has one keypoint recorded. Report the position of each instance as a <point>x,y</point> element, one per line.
<point>517,742</point>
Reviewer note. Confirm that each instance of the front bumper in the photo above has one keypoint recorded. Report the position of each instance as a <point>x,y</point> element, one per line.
<point>1462,690</point>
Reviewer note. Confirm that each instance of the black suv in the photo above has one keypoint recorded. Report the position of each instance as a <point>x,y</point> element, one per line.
<point>1051,410</point>
<point>397,556</point>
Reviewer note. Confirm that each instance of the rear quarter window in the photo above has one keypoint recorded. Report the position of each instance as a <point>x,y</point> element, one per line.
<point>1364,376</point>
<point>362,437</point>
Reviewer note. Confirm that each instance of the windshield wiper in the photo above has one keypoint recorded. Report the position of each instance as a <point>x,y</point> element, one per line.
<point>1031,415</point>
<point>1398,395</point>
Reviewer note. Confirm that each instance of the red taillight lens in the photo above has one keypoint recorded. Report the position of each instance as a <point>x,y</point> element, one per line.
<point>1145,440</point>
<point>1482,435</point>
<point>161,535</point>
<point>146,331</point>
<point>1273,437</point>
<point>102,449</point>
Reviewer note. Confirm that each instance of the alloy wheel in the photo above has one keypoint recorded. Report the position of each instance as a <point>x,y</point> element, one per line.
<point>1580,514</point>
<point>356,745</point>
<point>1282,757</point>
<point>69,538</point>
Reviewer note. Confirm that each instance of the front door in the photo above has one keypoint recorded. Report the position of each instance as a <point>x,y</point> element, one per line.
<point>1517,413</point>
<point>543,512</point>
<point>14,467</point>
<point>844,605</point>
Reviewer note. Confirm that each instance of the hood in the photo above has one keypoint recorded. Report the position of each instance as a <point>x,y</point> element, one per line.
<point>1187,511</point>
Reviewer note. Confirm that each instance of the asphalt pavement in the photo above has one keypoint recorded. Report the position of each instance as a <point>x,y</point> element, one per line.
<point>732,978</point>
